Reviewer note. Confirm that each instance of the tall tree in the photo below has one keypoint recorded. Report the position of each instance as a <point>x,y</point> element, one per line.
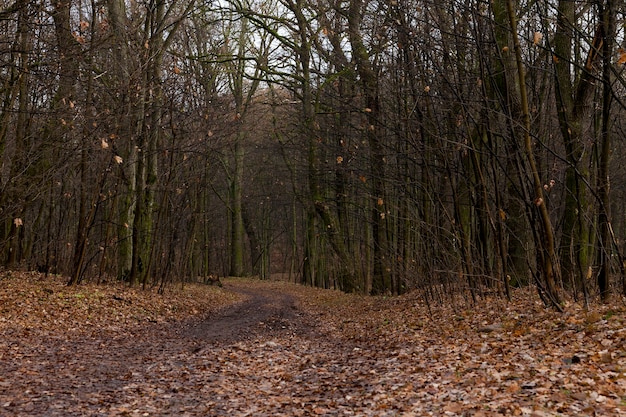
<point>368,75</point>
<point>243,81</point>
<point>573,91</point>
<point>546,247</point>
<point>607,12</point>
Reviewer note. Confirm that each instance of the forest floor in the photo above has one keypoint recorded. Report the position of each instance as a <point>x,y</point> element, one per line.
<point>263,348</point>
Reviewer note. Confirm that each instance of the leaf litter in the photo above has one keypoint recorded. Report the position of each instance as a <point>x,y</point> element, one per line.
<point>259,348</point>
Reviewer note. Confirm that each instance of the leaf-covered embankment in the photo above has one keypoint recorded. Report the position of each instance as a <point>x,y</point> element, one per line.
<point>492,358</point>
<point>31,302</point>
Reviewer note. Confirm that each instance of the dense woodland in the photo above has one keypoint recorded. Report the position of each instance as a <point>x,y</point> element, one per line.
<point>460,146</point>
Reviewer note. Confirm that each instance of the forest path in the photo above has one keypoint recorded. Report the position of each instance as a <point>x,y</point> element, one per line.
<point>262,311</point>
<point>277,349</point>
<point>260,356</point>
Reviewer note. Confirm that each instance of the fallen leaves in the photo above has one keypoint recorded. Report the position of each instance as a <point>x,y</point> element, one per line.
<point>496,357</point>
<point>31,301</point>
<point>88,350</point>
<point>110,350</point>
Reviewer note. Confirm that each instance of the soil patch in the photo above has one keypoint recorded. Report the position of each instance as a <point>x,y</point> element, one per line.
<point>262,313</point>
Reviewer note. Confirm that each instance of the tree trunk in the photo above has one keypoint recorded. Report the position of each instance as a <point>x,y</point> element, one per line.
<point>607,15</point>
<point>547,254</point>
<point>369,82</point>
<point>123,133</point>
<point>572,103</point>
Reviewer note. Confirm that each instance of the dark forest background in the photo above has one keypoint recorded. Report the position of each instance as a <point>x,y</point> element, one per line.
<point>379,146</point>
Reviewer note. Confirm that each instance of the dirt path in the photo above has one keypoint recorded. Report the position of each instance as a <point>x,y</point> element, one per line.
<point>293,351</point>
<point>230,364</point>
<point>263,312</point>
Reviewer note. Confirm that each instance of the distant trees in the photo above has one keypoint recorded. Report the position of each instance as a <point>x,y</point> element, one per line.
<point>368,145</point>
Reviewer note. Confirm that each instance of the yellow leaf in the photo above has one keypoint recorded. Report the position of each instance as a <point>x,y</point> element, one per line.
<point>622,56</point>
<point>18,222</point>
<point>537,37</point>
<point>104,144</point>
<point>118,159</point>
<point>380,201</point>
